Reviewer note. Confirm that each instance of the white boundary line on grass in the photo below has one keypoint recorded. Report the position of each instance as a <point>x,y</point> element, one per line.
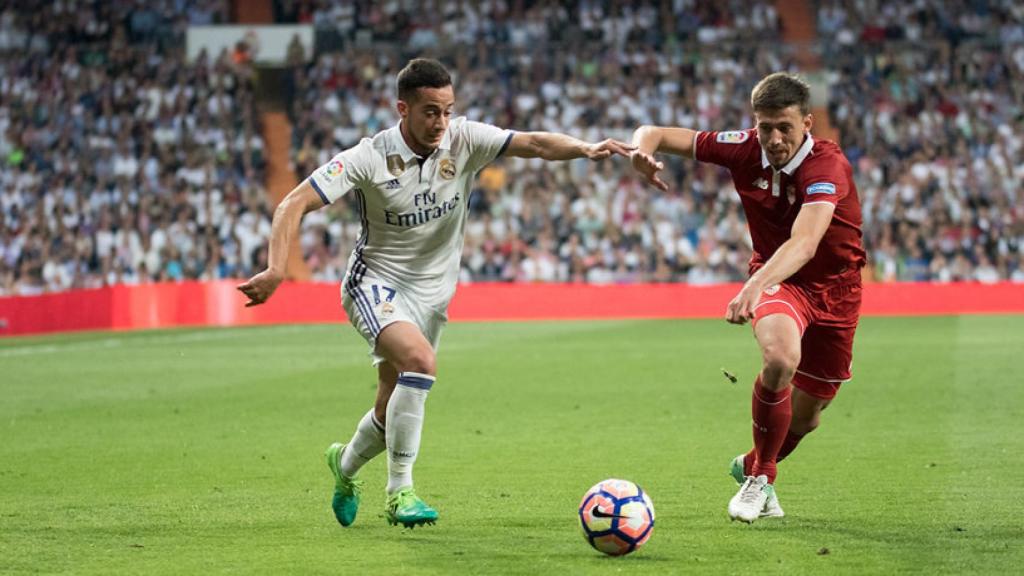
<point>115,341</point>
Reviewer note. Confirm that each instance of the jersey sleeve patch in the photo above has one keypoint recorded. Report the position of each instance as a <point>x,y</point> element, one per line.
<point>332,170</point>
<point>821,188</point>
<point>346,170</point>
<point>732,137</point>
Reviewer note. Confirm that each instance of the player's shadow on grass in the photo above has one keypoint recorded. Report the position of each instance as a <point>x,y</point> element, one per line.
<point>818,532</point>
<point>642,557</point>
<point>436,542</point>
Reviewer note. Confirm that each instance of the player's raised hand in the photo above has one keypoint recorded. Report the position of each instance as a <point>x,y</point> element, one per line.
<point>260,287</point>
<point>648,167</point>
<point>606,148</point>
<point>741,308</point>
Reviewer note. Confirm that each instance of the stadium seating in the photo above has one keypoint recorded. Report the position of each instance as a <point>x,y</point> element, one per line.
<point>122,163</point>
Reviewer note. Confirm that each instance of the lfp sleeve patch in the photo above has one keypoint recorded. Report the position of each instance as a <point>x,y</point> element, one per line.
<point>732,137</point>
<point>332,170</point>
<point>821,188</point>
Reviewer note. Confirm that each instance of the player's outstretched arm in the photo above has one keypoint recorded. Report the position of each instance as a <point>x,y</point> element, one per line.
<point>651,139</point>
<point>553,146</point>
<point>287,218</point>
<point>808,229</point>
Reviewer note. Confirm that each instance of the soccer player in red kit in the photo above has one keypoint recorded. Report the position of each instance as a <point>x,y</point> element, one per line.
<point>804,291</point>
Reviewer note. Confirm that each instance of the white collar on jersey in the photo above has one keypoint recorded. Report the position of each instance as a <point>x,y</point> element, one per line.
<point>398,141</point>
<point>798,158</point>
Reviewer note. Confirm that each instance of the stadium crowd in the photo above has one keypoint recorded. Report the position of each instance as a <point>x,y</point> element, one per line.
<point>122,162</point>
<point>929,98</point>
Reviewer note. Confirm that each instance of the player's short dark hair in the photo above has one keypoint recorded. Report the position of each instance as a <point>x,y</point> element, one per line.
<point>779,91</point>
<point>421,73</point>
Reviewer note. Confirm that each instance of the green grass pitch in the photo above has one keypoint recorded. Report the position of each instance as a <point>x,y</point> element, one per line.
<point>201,452</point>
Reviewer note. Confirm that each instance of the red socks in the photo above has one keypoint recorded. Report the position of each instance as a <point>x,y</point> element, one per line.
<point>772,412</point>
<point>788,445</point>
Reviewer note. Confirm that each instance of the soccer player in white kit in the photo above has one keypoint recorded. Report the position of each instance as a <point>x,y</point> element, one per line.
<point>412,183</point>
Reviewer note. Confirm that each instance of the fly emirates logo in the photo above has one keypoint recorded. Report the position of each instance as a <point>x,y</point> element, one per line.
<point>427,209</point>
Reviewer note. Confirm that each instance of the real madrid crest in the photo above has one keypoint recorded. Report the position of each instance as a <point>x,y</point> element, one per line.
<point>396,165</point>
<point>447,169</point>
<point>386,309</point>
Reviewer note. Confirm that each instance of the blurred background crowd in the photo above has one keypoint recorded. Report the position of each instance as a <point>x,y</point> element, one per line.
<point>124,163</point>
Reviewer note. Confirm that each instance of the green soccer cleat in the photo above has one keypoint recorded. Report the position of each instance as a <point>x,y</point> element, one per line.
<point>405,507</point>
<point>736,469</point>
<point>346,490</point>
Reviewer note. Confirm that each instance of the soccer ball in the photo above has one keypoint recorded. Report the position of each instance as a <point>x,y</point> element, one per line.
<point>617,517</point>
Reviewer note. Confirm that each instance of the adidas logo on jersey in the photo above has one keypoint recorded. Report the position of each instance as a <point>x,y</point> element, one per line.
<point>393,184</point>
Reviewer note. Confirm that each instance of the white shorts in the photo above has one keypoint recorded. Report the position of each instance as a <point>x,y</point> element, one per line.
<point>372,303</point>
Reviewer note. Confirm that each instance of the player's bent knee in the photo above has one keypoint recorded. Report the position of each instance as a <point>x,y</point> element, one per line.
<point>420,361</point>
<point>779,366</point>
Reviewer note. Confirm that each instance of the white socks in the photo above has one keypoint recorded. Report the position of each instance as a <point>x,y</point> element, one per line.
<point>367,442</point>
<point>402,437</point>
<point>404,425</point>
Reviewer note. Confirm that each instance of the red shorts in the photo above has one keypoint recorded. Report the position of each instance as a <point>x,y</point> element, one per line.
<point>827,321</point>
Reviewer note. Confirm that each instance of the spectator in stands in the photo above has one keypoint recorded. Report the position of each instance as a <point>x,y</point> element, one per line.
<point>100,112</point>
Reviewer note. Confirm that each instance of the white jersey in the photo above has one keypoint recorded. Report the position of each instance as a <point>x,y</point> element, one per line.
<point>413,210</point>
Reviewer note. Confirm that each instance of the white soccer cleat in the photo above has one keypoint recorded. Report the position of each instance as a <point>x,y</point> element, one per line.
<point>748,504</point>
<point>771,507</point>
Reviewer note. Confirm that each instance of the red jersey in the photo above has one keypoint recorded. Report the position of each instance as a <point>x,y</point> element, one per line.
<point>818,173</point>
